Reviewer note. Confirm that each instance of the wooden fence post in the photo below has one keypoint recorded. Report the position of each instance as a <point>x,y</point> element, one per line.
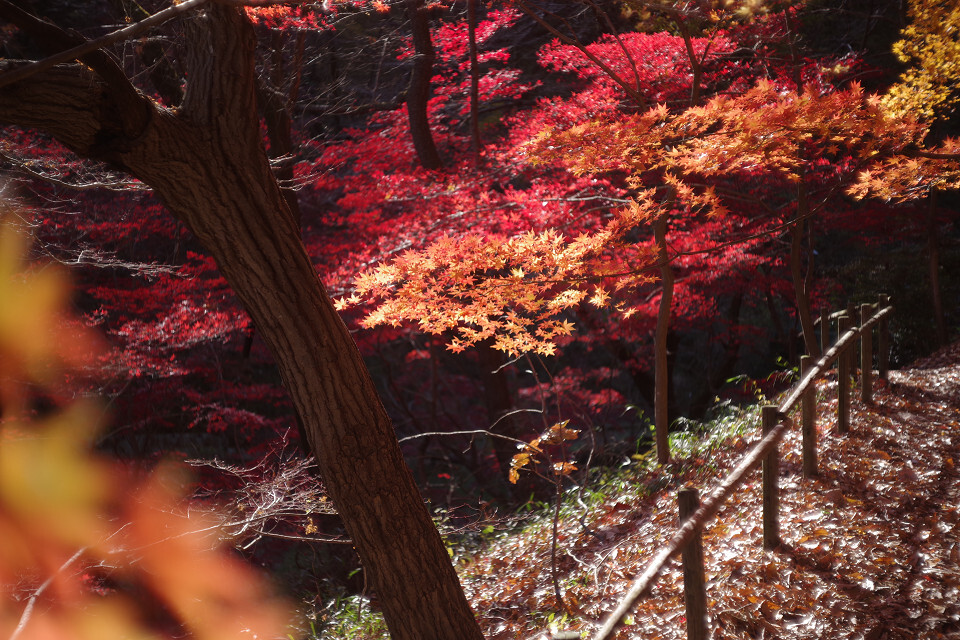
<point>852,360</point>
<point>824,330</point>
<point>843,380</point>
<point>866,355</point>
<point>769,418</point>
<point>694,581</point>
<point>883,340</point>
<point>809,426</point>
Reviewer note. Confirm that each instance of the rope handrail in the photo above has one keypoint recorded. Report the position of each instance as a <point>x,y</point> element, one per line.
<point>751,460</point>
<point>823,364</point>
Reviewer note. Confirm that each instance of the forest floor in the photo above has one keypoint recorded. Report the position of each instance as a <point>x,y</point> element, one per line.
<point>871,546</point>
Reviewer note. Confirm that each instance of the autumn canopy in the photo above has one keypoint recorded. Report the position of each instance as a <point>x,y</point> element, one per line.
<point>365,266</point>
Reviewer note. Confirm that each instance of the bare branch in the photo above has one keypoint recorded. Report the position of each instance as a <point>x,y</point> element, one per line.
<point>90,46</point>
<point>28,610</point>
<point>106,181</point>
<point>131,31</point>
<point>133,110</point>
<point>469,432</point>
<point>934,155</point>
<point>630,91</point>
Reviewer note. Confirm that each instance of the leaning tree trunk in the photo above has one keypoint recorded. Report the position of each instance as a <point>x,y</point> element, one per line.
<point>206,161</point>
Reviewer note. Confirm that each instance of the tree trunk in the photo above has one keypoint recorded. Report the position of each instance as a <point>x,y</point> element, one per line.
<point>800,284</point>
<point>499,401</point>
<point>418,92</point>
<point>933,264</point>
<point>475,142</point>
<point>695,63</point>
<point>717,376</point>
<point>661,366</point>
<point>207,163</point>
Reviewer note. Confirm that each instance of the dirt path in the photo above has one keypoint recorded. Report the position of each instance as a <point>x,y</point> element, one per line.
<point>871,546</point>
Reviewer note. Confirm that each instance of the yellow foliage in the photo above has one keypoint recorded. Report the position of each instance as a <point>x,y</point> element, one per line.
<point>34,334</point>
<point>701,14</point>
<point>930,87</point>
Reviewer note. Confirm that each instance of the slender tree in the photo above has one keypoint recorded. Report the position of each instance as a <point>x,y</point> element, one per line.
<point>418,92</point>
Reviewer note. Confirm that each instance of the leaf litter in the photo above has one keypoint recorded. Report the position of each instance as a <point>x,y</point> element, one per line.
<point>870,547</point>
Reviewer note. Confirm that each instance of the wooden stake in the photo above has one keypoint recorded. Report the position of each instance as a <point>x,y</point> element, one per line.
<point>824,330</point>
<point>769,417</point>
<point>883,341</point>
<point>694,581</point>
<point>843,381</point>
<point>809,425</point>
<point>866,355</point>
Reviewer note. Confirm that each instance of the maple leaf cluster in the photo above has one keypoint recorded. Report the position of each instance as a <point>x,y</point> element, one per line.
<point>534,451</point>
<point>534,276</point>
<point>930,46</point>
<point>508,289</point>
<point>708,156</point>
<point>912,176</point>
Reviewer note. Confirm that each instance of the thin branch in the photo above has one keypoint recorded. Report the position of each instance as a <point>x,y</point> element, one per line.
<point>475,432</point>
<point>630,91</point>
<point>28,610</point>
<point>77,52</point>
<point>134,111</point>
<point>284,536</point>
<point>933,155</point>
<point>118,185</point>
<point>616,36</point>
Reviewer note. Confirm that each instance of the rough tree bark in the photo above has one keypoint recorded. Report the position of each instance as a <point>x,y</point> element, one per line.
<point>206,160</point>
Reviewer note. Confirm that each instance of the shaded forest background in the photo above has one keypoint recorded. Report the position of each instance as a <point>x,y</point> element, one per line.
<point>189,378</point>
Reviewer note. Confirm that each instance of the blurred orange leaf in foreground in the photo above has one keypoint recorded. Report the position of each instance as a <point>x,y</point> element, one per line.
<point>89,553</point>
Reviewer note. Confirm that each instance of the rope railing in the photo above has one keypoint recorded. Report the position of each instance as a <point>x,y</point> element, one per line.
<point>775,423</point>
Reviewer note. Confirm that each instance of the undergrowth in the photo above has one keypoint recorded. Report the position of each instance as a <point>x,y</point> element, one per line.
<point>526,590</point>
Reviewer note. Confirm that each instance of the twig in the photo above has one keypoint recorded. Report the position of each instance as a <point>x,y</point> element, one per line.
<point>97,43</point>
<point>630,91</point>
<point>28,610</point>
<point>125,33</point>
<point>558,485</point>
<point>468,432</point>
